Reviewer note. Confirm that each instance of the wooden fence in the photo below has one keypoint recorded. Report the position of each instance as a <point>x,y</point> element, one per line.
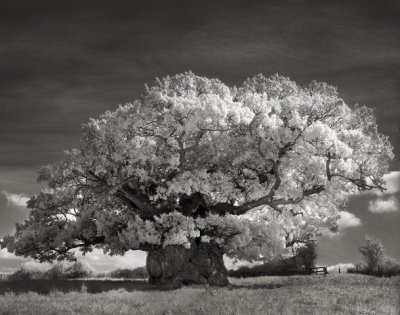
<point>318,271</point>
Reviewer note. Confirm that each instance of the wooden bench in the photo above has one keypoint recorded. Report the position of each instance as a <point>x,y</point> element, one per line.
<point>318,271</point>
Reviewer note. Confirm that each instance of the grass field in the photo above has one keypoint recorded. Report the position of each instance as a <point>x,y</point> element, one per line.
<point>333,294</point>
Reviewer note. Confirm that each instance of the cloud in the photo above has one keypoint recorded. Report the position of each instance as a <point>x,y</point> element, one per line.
<point>105,263</point>
<point>96,261</point>
<point>234,264</point>
<point>343,267</point>
<point>381,205</point>
<point>347,220</point>
<point>4,254</point>
<point>36,266</point>
<point>392,182</point>
<point>18,200</point>
<point>392,185</point>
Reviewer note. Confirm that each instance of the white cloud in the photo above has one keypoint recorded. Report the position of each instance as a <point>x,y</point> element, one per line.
<point>18,200</point>
<point>35,266</point>
<point>343,268</point>
<point>104,263</point>
<point>347,220</point>
<point>234,264</point>
<point>392,185</point>
<point>381,205</point>
<point>4,254</point>
<point>392,182</point>
<point>96,260</point>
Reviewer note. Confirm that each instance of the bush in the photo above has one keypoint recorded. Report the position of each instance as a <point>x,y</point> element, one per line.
<point>57,272</point>
<point>377,263</point>
<point>137,273</point>
<point>54,273</point>
<point>78,270</point>
<point>300,264</point>
<point>307,254</point>
<point>374,254</point>
<point>21,274</point>
<point>100,275</point>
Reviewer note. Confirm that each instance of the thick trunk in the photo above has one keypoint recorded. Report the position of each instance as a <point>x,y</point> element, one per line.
<point>173,266</point>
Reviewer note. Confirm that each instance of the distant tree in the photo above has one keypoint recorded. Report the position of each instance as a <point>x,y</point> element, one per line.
<point>137,273</point>
<point>376,260</point>
<point>78,270</point>
<point>21,274</point>
<point>307,254</point>
<point>54,273</point>
<point>195,169</point>
<point>374,254</point>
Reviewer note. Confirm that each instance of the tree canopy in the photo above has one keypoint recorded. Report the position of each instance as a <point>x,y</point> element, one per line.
<point>250,168</point>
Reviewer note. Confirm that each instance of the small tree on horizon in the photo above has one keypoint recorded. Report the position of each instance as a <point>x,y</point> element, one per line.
<point>307,254</point>
<point>373,253</point>
<point>376,259</point>
<point>195,169</point>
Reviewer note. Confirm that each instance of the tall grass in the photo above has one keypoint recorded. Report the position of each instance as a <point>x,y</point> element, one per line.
<point>334,294</point>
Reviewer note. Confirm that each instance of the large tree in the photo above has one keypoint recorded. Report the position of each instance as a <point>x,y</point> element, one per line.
<point>195,169</point>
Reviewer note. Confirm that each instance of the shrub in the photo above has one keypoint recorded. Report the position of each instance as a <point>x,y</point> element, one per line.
<point>307,254</point>
<point>377,263</point>
<point>78,270</point>
<point>300,264</point>
<point>21,274</point>
<point>374,254</point>
<point>137,273</point>
<point>57,272</point>
<point>54,273</point>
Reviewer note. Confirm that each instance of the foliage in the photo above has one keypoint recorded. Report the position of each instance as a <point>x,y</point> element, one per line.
<point>307,254</point>
<point>357,269</point>
<point>78,270</point>
<point>299,264</point>
<point>46,286</point>
<point>137,273</point>
<point>58,271</point>
<point>55,272</point>
<point>21,274</point>
<point>250,169</point>
<point>376,261</point>
<point>374,254</point>
<point>276,267</point>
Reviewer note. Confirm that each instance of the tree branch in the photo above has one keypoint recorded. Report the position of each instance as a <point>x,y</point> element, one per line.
<point>328,170</point>
<point>359,182</point>
<point>222,208</point>
<point>147,210</point>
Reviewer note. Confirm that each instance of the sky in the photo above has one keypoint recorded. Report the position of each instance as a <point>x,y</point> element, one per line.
<point>62,62</point>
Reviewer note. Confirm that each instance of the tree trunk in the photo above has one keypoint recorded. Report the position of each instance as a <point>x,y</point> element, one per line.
<point>175,265</point>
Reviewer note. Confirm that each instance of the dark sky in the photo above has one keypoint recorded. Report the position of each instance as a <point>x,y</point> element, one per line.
<point>62,62</point>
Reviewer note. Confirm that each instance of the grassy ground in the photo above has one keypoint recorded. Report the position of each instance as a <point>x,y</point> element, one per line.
<point>334,294</point>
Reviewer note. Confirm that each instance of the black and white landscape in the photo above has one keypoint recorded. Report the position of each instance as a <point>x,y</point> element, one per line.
<point>210,157</point>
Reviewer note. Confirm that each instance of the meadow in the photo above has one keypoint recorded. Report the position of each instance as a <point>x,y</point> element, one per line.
<point>332,294</point>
